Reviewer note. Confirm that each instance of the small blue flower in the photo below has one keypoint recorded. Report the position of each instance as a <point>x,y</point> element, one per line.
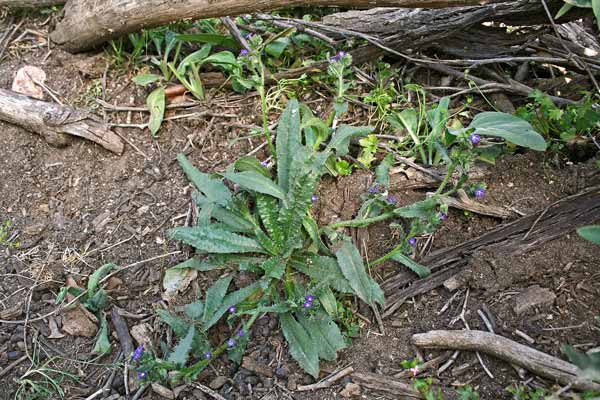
<point>374,189</point>
<point>244,52</point>
<point>264,163</point>
<point>479,193</point>
<point>314,198</point>
<point>232,309</point>
<point>231,343</point>
<point>338,57</point>
<point>443,216</point>
<point>392,200</point>
<point>307,304</point>
<point>241,333</point>
<point>475,139</point>
<point>249,35</point>
<point>142,375</point>
<point>138,353</point>
<point>208,355</point>
<point>309,297</point>
<point>412,241</point>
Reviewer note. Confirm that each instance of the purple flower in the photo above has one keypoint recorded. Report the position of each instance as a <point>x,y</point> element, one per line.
<point>264,163</point>
<point>142,375</point>
<point>244,52</point>
<point>338,57</point>
<point>208,355</point>
<point>249,35</point>
<point>241,333</point>
<point>479,193</point>
<point>443,216</point>
<point>138,353</point>
<point>374,189</point>
<point>307,304</point>
<point>232,309</point>
<point>309,297</point>
<point>475,139</point>
<point>412,241</point>
<point>230,343</point>
<point>314,198</point>
<point>392,200</point>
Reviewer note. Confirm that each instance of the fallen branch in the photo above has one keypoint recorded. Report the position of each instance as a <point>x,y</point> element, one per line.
<point>55,122</point>
<point>30,3</point>
<point>505,349</point>
<point>386,383</point>
<point>327,382</point>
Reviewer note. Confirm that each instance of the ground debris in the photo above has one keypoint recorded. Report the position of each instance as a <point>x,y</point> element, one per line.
<point>533,296</point>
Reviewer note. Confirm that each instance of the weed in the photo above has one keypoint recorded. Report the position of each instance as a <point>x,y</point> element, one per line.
<point>7,237</point>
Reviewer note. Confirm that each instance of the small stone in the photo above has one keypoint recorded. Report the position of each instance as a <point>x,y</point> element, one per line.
<point>351,390</point>
<point>533,296</point>
<point>251,365</point>
<point>163,391</point>
<point>218,382</point>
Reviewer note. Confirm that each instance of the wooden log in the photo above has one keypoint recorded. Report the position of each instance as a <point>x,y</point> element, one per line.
<point>55,122</point>
<point>30,3</point>
<point>514,238</point>
<point>386,383</point>
<point>533,360</point>
<point>87,24</point>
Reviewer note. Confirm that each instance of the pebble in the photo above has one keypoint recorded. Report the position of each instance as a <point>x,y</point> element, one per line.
<point>13,355</point>
<point>280,372</point>
<point>218,382</point>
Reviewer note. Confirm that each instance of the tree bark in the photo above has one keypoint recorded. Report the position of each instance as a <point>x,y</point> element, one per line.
<point>30,3</point>
<point>87,24</point>
<point>505,349</point>
<point>55,122</point>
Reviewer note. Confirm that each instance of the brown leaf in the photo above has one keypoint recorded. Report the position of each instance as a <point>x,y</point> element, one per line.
<point>77,322</point>
<point>24,82</point>
<point>54,331</point>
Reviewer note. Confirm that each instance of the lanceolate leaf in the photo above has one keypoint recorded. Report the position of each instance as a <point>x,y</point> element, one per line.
<point>211,38</point>
<point>146,79</point>
<point>509,127</point>
<point>344,134</point>
<point>417,268</point>
<point>215,240</point>
<point>302,347</point>
<point>94,279</point>
<point>274,267</point>
<point>156,105</point>
<point>214,297</point>
<point>233,220</point>
<point>324,270</point>
<point>179,326</point>
<point>256,182</point>
<point>596,9</point>
<point>268,210</point>
<point>353,268</point>
<point>214,189</point>
<point>251,163</point>
<point>194,310</point>
<point>288,142</point>
<point>231,299</point>
<point>325,334</point>
<point>102,345</point>
<point>591,233</point>
<point>181,353</point>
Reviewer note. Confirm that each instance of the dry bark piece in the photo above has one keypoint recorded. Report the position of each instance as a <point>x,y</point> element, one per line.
<point>163,391</point>
<point>54,331</point>
<point>55,122</point>
<point>122,332</point>
<point>76,322</point>
<point>251,365</point>
<point>25,81</point>
<point>533,296</point>
<point>505,349</point>
<point>386,384</point>
<point>142,333</point>
<point>218,382</point>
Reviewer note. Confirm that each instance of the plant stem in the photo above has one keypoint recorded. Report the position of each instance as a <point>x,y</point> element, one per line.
<point>451,169</point>
<point>358,223</point>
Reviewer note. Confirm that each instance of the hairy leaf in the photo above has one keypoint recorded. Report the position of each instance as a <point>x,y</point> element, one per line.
<point>322,269</point>
<point>214,189</point>
<point>214,297</point>
<point>178,324</point>
<point>215,240</point>
<point>274,267</point>
<point>414,266</point>
<point>216,261</point>
<point>325,334</point>
<point>353,268</point>
<point>251,163</point>
<point>194,310</point>
<point>231,299</point>
<point>509,127</point>
<point>302,347</point>
<point>344,134</point>
<point>268,210</point>
<point>287,142</point>
<point>181,352</point>
<point>210,38</point>
<point>156,103</point>
<point>255,182</point>
<point>194,58</point>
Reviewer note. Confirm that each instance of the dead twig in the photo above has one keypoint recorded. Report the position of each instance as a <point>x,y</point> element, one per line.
<point>207,390</point>
<point>327,382</point>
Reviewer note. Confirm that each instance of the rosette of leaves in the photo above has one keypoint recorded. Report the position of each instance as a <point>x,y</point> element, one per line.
<point>265,227</point>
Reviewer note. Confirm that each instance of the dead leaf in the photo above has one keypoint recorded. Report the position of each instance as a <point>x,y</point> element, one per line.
<point>177,280</point>
<point>113,283</point>
<point>24,82</point>
<point>76,322</point>
<point>142,334</point>
<point>351,390</point>
<point>54,331</point>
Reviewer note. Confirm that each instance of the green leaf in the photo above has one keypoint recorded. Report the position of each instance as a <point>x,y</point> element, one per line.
<point>589,364</point>
<point>96,277</point>
<point>274,267</point>
<point>233,220</point>
<point>344,134</point>
<point>231,299</point>
<point>102,345</point>
<point>438,117</point>
<point>301,345</point>
<point>214,189</point>
<point>250,163</point>
<point>328,301</point>
<point>591,233</point>
<point>414,266</point>
<point>325,334</point>
<point>194,58</point>
<point>563,10</point>
<point>353,268</point>
<point>596,9</point>
<point>420,209</point>
<point>216,261</point>
<point>311,227</point>
<point>287,142</point>
<point>324,270</point>
<point>194,310</point>
<point>215,240</point>
<point>146,79</point>
<point>179,325</point>
<point>214,297</point>
<point>382,172</point>
<point>580,3</point>
<point>268,210</point>
<point>255,182</point>
<point>211,38</point>
<point>181,352</point>
<point>156,105</point>
<point>508,127</point>
<point>97,302</point>
<point>277,47</point>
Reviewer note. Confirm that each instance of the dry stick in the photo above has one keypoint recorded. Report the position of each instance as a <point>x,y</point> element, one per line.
<point>235,32</point>
<point>12,366</point>
<point>301,28</point>
<point>208,391</point>
<point>327,382</point>
<point>59,309</point>
<point>8,38</point>
<point>508,350</point>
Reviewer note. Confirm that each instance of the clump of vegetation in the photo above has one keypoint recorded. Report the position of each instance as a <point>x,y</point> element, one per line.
<point>7,236</point>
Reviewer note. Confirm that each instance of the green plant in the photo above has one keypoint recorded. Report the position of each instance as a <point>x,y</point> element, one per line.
<point>572,124</point>
<point>523,392</point>
<point>593,4</point>
<point>591,233</point>
<point>95,299</point>
<point>266,228</point>
<point>6,237</point>
<point>383,95</point>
